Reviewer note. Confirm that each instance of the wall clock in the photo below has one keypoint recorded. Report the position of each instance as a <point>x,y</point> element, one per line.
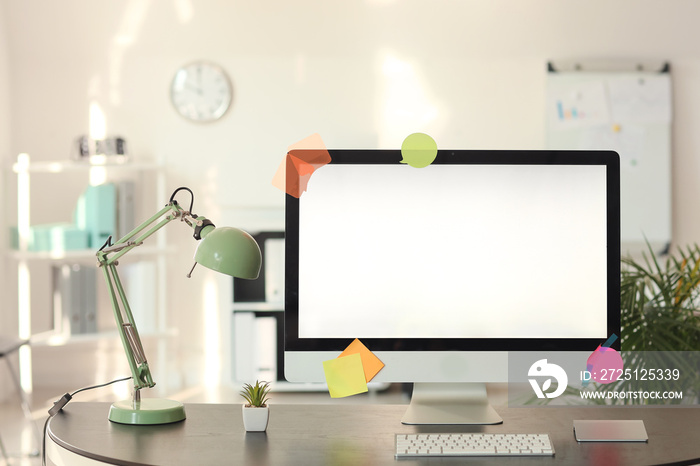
<point>201,91</point>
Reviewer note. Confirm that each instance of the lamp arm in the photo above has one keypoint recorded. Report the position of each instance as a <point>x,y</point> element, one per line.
<point>108,257</point>
<point>126,244</point>
<point>126,326</point>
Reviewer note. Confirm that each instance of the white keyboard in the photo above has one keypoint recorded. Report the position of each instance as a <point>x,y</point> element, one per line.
<point>408,445</point>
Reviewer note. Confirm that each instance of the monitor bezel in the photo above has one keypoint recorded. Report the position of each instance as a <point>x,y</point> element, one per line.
<point>609,159</point>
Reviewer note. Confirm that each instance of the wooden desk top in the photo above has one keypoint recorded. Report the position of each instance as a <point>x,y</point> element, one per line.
<point>331,434</point>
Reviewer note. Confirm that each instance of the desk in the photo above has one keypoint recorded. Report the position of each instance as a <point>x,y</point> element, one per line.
<point>336,434</point>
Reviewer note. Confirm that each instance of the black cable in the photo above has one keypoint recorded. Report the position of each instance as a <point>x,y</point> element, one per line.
<point>107,243</point>
<point>43,442</point>
<point>99,386</point>
<point>172,196</point>
<point>58,406</point>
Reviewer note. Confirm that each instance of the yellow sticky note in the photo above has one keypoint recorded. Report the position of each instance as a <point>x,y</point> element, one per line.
<point>345,376</point>
<point>370,363</point>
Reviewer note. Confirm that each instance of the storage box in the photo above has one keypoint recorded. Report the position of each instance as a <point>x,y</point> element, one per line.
<point>96,213</point>
<point>53,237</point>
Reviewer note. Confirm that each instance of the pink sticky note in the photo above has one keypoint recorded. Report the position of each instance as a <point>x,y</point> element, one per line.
<point>605,365</point>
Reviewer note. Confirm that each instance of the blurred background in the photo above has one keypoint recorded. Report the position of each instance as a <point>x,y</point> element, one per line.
<point>362,74</point>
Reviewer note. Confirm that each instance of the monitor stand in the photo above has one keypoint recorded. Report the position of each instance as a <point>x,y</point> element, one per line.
<point>450,403</point>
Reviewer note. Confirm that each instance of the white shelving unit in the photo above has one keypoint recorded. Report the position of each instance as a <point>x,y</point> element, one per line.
<point>147,177</point>
<point>255,324</point>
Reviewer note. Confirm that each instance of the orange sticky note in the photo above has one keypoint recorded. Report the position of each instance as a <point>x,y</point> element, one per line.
<point>370,363</point>
<point>302,160</point>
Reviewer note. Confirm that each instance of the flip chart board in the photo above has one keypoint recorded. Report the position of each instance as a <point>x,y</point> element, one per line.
<point>626,108</point>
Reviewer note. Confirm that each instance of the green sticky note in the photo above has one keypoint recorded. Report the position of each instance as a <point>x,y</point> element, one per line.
<point>345,376</point>
<point>418,150</point>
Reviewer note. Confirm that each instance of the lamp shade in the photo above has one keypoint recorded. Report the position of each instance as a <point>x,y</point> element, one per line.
<point>231,251</point>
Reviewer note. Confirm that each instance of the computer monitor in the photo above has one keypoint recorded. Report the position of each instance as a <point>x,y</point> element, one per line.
<point>442,271</point>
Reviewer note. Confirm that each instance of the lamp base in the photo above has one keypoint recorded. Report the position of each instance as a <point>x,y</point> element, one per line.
<point>148,411</point>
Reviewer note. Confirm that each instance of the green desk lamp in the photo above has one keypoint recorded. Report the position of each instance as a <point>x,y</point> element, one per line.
<point>227,250</point>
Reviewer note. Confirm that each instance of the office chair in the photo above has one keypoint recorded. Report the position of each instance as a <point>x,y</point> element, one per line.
<point>7,347</point>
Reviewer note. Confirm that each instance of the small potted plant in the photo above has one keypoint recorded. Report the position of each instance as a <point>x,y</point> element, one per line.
<point>255,410</point>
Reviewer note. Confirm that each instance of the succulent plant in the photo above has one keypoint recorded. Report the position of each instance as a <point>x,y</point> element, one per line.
<point>256,395</point>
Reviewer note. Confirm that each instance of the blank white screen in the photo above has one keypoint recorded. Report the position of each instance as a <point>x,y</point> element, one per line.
<point>453,251</point>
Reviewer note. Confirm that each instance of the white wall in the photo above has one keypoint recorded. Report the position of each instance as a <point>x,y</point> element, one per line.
<point>361,73</point>
<point>7,318</point>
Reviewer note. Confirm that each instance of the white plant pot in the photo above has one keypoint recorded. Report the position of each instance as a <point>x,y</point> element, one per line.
<point>255,419</point>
